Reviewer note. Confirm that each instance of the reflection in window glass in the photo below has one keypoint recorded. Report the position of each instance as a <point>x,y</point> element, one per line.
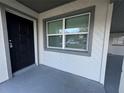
<point>55,27</point>
<point>76,41</point>
<point>55,41</point>
<point>77,24</point>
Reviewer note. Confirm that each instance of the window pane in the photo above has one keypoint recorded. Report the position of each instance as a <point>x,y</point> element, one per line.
<point>76,41</point>
<point>55,41</point>
<point>55,27</point>
<point>77,24</point>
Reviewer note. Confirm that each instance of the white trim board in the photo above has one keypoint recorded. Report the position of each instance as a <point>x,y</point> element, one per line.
<point>5,66</point>
<point>106,43</point>
<point>67,62</point>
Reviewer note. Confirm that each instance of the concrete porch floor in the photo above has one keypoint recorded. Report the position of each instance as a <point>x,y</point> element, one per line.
<point>43,79</point>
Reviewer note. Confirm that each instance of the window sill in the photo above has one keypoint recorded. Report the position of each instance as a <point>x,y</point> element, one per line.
<point>73,52</point>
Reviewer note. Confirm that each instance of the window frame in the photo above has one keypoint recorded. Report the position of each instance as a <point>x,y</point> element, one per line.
<point>87,11</point>
<point>64,34</point>
<point>47,35</point>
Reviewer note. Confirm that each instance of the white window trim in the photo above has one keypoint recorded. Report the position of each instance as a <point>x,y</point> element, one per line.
<point>64,34</point>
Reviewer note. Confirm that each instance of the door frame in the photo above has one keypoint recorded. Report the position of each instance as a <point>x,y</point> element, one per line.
<point>6,8</point>
<point>34,30</point>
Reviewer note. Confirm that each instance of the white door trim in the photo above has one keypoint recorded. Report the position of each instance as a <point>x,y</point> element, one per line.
<point>6,64</point>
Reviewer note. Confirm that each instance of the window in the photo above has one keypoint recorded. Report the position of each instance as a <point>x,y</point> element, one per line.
<point>69,33</point>
<point>54,34</point>
<point>76,32</point>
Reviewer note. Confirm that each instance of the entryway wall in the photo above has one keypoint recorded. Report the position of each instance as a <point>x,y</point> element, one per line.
<point>91,67</point>
<point>97,61</point>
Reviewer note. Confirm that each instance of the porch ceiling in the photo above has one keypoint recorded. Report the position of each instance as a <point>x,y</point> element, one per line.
<point>43,5</point>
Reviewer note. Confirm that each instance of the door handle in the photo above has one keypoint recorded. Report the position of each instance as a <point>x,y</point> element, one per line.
<point>10,44</point>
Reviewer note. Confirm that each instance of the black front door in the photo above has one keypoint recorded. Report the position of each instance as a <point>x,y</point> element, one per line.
<point>21,41</point>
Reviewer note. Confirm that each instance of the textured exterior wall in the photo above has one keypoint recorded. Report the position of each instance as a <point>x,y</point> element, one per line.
<point>89,67</point>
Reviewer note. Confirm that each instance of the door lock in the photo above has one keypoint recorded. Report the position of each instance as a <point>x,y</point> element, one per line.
<point>10,44</point>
